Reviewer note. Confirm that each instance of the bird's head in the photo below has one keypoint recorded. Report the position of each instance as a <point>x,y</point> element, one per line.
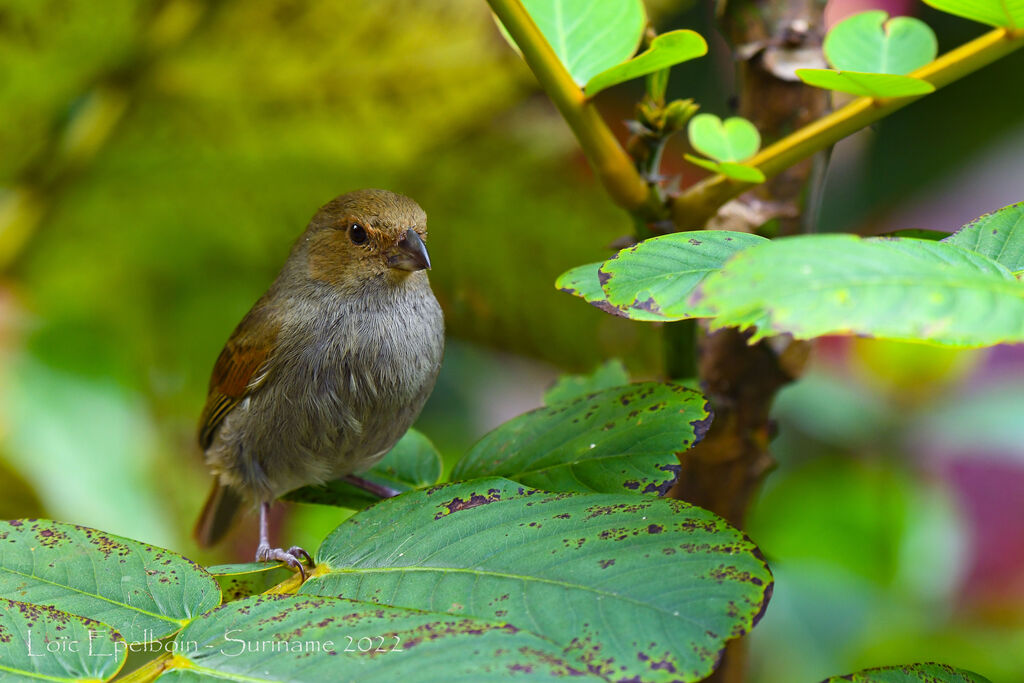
<point>366,235</point>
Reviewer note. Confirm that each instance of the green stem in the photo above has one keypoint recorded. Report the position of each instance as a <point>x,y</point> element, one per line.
<point>700,202</point>
<point>680,339</point>
<point>610,162</point>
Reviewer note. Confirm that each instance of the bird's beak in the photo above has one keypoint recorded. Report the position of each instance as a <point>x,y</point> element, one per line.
<point>411,253</point>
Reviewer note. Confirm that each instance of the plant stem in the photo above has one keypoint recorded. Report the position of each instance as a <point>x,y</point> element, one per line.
<point>680,340</point>
<point>610,162</point>
<point>693,208</point>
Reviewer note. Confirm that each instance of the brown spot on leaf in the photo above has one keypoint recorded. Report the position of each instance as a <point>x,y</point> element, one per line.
<point>475,500</point>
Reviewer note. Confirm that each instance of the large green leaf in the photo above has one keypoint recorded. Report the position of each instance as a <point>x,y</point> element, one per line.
<point>903,289</point>
<point>871,56</point>
<point>304,638</point>
<point>666,50</point>
<point>929,672</point>
<point>611,373</point>
<point>660,274</point>
<point>40,642</point>
<point>1002,13</point>
<point>998,235</point>
<point>629,587</point>
<point>623,439</point>
<point>413,463</point>
<point>239,581</point>
<point>583,281</point>
<point>143,591</point>
<point>589,37</point>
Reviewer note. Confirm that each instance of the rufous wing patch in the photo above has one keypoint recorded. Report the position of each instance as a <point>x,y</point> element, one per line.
<point>239,369</point>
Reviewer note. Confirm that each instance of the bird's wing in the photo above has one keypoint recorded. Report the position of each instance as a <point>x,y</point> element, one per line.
<point>240,368</point>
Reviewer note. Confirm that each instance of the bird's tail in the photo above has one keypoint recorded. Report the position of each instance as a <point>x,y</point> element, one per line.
<point>219,512</point>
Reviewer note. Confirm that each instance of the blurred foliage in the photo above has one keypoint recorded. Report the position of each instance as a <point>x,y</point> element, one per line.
<point>233,134</point>
<point>875,548</point>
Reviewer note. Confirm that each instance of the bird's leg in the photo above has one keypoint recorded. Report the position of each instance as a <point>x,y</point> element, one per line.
<point>370,487</point>
<point>264,553</point>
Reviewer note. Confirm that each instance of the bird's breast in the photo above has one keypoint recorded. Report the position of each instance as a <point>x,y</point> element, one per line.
<point>347,381</point>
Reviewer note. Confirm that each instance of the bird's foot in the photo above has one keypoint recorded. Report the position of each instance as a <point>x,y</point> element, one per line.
<point>291,557</point>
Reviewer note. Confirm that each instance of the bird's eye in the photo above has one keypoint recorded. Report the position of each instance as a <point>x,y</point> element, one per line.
<point>357,233</point>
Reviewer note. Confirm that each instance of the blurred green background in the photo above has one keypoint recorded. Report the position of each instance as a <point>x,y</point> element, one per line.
<point>158,158</point>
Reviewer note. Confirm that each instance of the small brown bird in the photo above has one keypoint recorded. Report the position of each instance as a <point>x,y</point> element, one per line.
<point>329,368</point>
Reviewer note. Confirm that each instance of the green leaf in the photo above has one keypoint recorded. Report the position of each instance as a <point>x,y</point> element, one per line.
<point>83,649</point>
<point>142,591</point>
<point>306,638</point>
<point>867,42</point>
<point>660,274</point>
<point>1000,13</point>
<point>998,235</point>
<point>582,281</point>
<point>903,289</point>
<point>734,139</point>
<point>666,50</point>
<point>611,373</point>
<point>929,672</point>
<point>239,581</point>
<point>619,440</point>
<point>589,37</point>
<point>865,84</point>
<point>872,56</point>
<point>628,586</point>
<point>747,174</point>
<point>413,463</point>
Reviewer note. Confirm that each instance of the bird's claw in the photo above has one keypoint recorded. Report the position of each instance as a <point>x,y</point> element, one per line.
<point>295,551</point>
<point>265,553</point>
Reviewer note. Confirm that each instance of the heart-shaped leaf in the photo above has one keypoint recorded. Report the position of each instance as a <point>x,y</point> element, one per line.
<point>1000,13</point>
<point>582,281</point>
<point>747,174</point>
<point>929,672</point>
<point>998,235</point>
<point>623,439</point>
<point>38,642</point>
<point>871,56</point>
<point>611,373</point>
<point>734,139</point>
<point>660,274</point>
<point>589,37</point>
<point>142,591</point>
<point>869,43</point>
<point>628,587</point>
<point>412,463</point>
<point>668,49</point>
<point>309,638</point>
<point>865,84</point>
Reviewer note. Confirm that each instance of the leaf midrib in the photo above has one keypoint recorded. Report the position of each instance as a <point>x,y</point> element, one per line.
<point>179,622</point>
